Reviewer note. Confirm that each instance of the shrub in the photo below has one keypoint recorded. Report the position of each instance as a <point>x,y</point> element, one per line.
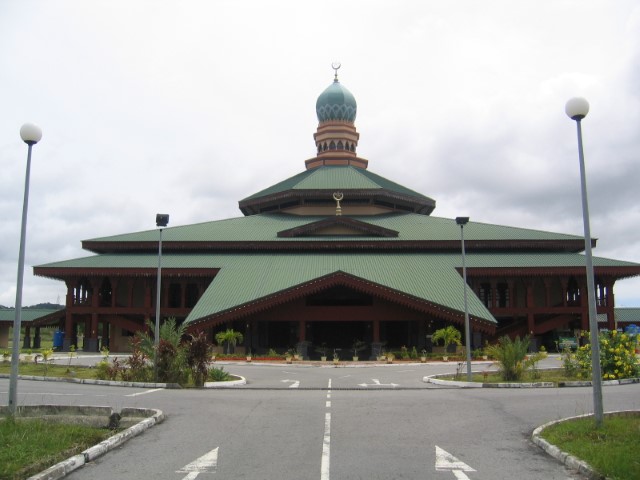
<point>198,355</point>
<point>510,356</point>
<point>617,357</point>
<point>218,375</point>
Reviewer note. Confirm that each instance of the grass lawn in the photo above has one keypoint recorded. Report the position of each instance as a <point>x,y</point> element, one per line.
<point>43,370</point>
<point>555,376</point>
<point>28,446</point>
<point>613,450</point>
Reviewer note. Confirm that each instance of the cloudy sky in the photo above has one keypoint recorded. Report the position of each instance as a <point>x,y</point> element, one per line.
<point>186,107</point>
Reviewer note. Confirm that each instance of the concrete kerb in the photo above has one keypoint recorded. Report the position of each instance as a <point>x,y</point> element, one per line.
<point>140,419</point>
<point>567,459</point>
<point>463,384</point>
<point>112,383</point>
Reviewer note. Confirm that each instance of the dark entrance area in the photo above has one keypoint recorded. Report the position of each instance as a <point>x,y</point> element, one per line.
<point>339,335</point>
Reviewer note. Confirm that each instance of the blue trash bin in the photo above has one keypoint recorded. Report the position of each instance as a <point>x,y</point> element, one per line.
<point>58,340</point>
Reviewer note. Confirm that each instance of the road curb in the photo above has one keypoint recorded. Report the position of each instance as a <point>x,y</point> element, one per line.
<point>462,384</point>
<point>63,468</point>
<point>567,459</point>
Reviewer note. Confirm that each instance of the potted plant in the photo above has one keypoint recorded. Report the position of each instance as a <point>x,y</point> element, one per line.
<point>449,335</point>
<point>336,357</point>
<point>423,357</point>
<point>323,352</point>
<point>389,356</point>
<point>249,356</point>
<point>290,354</point>
<point>230,337</point>
<point>358,346</point>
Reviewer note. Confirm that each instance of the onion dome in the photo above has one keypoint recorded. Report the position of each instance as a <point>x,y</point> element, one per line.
<point>336,103</point>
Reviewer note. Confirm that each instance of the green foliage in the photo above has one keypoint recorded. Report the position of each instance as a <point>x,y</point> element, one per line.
<point>218,375</point>
<point>510,356</point>
<point>30,446</point>
<point>230,337</point>
<point>448,335</point>
<point>358,346</point>
<point>617,357</point>
<point>414,353</point>
<point>612,450</point>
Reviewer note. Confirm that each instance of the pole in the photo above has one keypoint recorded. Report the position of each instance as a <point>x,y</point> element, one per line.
<point>467,328</point>
<point>157,329</point>
<point>15,353</point>
<point>591,299</point>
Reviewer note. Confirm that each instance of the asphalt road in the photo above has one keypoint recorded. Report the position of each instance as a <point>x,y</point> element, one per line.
<point>376,422</point>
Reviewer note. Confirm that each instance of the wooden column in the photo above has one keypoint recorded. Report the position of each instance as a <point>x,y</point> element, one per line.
<point>531,321</point>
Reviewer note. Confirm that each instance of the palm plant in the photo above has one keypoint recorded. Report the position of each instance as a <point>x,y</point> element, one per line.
<point>448,335</point>
<point>510,356</point>
<point>230,337</point>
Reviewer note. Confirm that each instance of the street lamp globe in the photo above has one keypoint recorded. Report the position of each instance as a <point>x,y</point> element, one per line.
<point>30,133</point>
<point>577,108</point>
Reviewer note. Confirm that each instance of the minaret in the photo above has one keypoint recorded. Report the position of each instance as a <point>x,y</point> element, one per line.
<point>336,137</point>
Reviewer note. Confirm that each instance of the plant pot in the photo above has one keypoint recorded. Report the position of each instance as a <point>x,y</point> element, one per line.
<point>445,358</point>
<point>323,358</point>
<point>335,361</point>
<point>355,359</point>
<point>485,357</point>
<point>288,359</point>
<point>389,360</point>
<point>423,359</point>
<point>248,358</point>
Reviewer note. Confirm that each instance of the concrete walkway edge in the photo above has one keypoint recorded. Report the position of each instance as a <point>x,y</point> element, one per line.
<point>565,458</point>
<point>67,466</point>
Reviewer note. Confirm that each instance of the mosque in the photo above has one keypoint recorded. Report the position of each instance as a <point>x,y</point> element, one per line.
<point>332,255</point>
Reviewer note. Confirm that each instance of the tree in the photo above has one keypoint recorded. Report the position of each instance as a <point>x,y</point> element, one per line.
<point>230,337</point>
<point>448,336</point>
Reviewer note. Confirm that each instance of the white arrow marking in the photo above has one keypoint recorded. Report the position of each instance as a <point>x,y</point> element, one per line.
<point>376,383</point>
<point>294,383</point>
<point>447,462</point>
<point>205,464</point>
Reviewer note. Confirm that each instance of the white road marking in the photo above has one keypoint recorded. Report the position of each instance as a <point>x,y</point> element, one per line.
<point>326,448</point>
<point>294,383</point>
<point>145,392</point>
<point>376,383</point>
<point>328,404</point>
<point>207,463</point>
<point>447,462</point>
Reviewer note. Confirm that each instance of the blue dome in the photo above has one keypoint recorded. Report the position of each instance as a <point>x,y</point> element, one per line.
<point>336,103</point>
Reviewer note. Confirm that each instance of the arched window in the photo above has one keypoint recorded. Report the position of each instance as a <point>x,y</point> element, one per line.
<point>340,145</point>
<point>332,145</point>
<point>324,147</point>
<point>352,148</point>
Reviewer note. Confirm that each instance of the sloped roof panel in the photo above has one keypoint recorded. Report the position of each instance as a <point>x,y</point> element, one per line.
<point>265,227</point>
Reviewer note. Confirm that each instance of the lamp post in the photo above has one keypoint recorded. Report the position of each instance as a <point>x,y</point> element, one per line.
<point>162,220</point>
<point>576,109</point>
<point>462,221</point>
<point>30,134</point>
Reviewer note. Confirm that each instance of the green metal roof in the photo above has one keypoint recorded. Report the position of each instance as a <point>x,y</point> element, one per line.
<point>265,227</point>
<point>27,314</point>
<point>627,315</point>
<point>336,178</point>
<point>246,278</point>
